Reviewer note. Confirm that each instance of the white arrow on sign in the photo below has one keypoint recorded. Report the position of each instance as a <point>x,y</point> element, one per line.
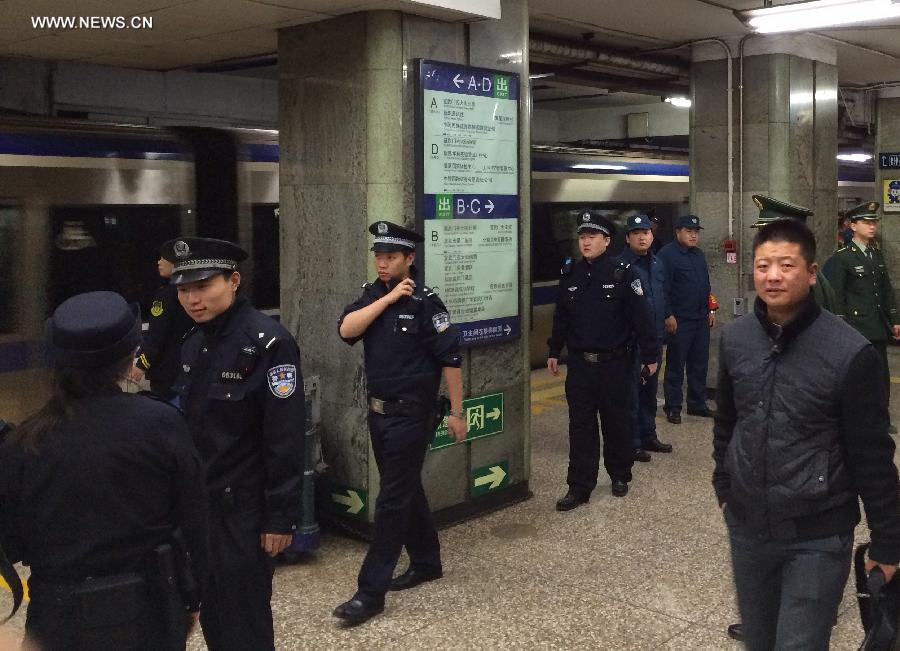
<point>457,81</point>
<point>508,329</point>
<point>490,206</point>
<point>351,500</point>
<point>494,414</point>
<point>494,477</point>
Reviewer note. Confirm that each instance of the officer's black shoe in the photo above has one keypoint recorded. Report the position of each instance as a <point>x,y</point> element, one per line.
<point>655,445</point>
<point>736,632</point>
<point>640,454</point>
<point>356,611</point>
<point>570,501</point>
<point>619,488</point>
<point>674,417</point>
<point>704,412</point>
<point>411,578</point>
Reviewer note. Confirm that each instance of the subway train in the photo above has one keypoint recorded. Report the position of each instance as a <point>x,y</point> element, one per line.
<point>86,206</point>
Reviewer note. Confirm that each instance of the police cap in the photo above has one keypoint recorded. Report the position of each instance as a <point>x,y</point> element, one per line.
<point>867,211</point>
<point>390,237</point>
<point>771,209</point>
<point>594,222</point>
<point>167,251</point>
<point>688,221</point>
<point>638,223</point>
<point>93,330</point>
<point>199,258</point>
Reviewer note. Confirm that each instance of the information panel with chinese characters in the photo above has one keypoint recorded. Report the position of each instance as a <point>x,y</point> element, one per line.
<point>469,196</point>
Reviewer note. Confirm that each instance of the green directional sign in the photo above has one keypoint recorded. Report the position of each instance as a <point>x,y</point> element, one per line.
<point>484,415</point>
<point>348,501</point>
<point>488,479</point>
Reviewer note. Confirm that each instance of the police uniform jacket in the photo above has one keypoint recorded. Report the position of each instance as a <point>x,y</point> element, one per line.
<point>242,391</point>
<point>105,487</point>
<point>651,270</point>
<point>600,307</point>
<point>407,345</point>
<point>865,297</point>
<point>160,352</point>
<point>687,280</point>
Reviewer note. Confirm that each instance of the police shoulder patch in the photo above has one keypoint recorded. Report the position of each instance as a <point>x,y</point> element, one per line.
<point>441,321</point>
<point>282,380</point>
<point>636,287</point>
<point>157,308</point>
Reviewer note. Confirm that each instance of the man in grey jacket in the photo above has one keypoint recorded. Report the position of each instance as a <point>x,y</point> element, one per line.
<point>800,435</point>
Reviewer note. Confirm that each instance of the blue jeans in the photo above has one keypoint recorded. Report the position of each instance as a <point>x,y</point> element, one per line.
<point>788,591</point>
<point>643,401</point>
<point>688,347</point>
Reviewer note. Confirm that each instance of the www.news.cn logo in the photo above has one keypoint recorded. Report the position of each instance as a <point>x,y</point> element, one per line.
<point>92,22</point>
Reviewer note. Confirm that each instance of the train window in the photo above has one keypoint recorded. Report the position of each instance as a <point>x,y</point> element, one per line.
<point>266,277</point>
<point>109,248</point>
<point>10,218</point>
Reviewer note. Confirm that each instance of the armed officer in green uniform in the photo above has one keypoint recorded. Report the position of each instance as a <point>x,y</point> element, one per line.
<point>865,297</point>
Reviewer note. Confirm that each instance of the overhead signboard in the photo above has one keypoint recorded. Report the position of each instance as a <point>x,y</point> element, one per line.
<point>484,415</point>
<point>468,195</point>
<point>889,160</point>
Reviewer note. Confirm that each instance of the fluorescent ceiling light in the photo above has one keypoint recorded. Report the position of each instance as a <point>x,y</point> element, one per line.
<point>803,16</point>
<point>598,166</point>
<point>855,158</point>
<point>680,102</point>
<point>542,75</point>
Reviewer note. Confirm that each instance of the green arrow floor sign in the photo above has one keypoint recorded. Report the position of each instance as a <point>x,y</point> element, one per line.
<point>488,479</point>
<point>348,501</point>
<point>484,415</point>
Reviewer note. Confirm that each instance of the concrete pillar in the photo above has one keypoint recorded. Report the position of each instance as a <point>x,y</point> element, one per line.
<point>789,149</point>
<point>347,97</point>
<point>887,139</point>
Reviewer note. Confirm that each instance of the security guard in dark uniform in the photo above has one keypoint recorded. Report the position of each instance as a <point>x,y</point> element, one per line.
<point>600,309</point>
<point>94,487</point>
<point>242,391</point>
<point>159,357</point>
<point>865,296</point>
<point>409,343</point>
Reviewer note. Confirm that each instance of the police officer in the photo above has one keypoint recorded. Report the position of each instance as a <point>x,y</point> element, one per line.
<point>159,356</point>
<point>92,484</point>
<point>409,343</point>
<point>865,296</point>
<point>687,283</point>
<point>649,268</point>
<point>242,391</point>
<point>600,308</point>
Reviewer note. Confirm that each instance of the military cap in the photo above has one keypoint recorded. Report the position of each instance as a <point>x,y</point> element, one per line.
<point>592,220</point>
<point>771,209</point>
<point>390,237</point>
<point>93,330</point>
<point>638,222</point>
<point>688,221</point>
<point>199,258</point>
<point>867,211</point>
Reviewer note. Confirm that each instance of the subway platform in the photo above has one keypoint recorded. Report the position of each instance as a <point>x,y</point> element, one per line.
<point>648,571</point>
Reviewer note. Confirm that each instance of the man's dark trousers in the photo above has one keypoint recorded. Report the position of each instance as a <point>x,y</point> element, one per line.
<point>688,348</point>
<point>599,388</point>
<point>788,591</point>
<point>236,612</point>
<point>402,515</point>
<point>643,403</point>
<point>881,348</point>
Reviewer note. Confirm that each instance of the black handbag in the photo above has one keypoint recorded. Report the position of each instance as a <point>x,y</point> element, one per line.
<point>879,605</point>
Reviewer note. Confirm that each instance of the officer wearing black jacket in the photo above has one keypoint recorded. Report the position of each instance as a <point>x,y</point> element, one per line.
<point>93,484</point>
<point>242,391</point>
<point>409,344</point>
<point>159,357</point>
<point>601,306</point>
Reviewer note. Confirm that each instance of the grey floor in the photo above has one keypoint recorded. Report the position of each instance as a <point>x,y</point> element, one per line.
<point>648,571</point>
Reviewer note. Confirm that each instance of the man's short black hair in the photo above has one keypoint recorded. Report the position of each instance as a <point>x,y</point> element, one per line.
<point>788,230</point>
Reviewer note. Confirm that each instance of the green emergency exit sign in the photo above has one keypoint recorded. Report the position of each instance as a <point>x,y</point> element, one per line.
<point>488,479</point>
<point>484,414</point>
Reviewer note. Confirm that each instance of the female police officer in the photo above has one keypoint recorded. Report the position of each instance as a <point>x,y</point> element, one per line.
<point>93,483</point>
<point>409,342</point>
